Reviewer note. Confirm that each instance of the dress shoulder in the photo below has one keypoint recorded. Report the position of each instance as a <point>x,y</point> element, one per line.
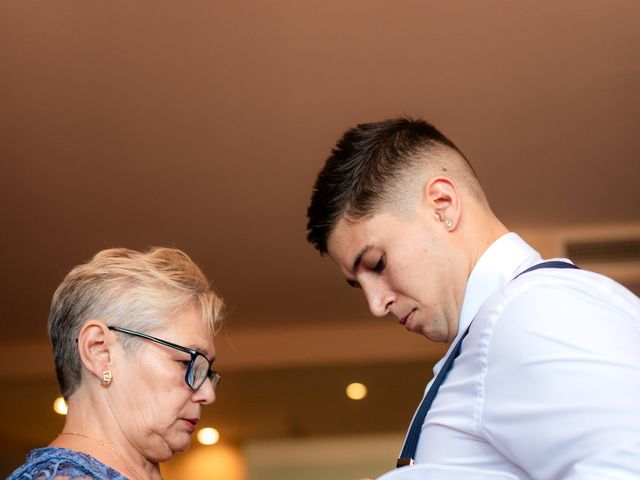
<point>60,464</point>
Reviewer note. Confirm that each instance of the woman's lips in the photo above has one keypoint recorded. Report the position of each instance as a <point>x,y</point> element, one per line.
<point>190,423</point>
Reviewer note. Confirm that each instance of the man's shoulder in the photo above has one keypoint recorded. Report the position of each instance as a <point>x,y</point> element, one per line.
<point>560,311</point>
<point>555,290</point>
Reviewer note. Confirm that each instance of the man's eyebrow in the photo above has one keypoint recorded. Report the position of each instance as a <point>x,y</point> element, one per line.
<point>358,260</point>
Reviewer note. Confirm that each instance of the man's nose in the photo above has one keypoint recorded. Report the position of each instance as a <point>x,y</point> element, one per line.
<point>379,299</point>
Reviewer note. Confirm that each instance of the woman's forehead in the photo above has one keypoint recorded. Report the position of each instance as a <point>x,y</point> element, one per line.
<point>189,329</point>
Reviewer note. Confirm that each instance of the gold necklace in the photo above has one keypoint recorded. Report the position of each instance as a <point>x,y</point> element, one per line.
<point>100,442</point>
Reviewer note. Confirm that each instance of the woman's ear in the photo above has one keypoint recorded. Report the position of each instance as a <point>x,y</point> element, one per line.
<point>441,197</point>
<point>95,345</point>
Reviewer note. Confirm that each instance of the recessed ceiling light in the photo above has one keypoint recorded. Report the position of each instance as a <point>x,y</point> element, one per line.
<point>356,391</point>
<point>208,436</point>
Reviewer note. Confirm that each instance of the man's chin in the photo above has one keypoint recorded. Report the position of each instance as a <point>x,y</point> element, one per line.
<point>438,337</point>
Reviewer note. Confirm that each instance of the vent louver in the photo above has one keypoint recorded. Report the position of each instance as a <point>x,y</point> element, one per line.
<point>604,251</point>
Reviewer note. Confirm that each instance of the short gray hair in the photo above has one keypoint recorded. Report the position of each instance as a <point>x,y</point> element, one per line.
<point>126,288</point>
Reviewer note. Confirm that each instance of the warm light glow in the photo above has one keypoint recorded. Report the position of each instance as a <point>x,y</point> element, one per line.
<point>208,436</point>
<point>217,461</point>
<point>356,391</point>
<point>60,406</point>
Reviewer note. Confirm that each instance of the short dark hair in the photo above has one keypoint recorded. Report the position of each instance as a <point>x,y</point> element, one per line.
<point>364,161</point>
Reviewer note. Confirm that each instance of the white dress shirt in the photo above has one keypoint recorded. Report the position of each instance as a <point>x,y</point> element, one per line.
<point>547,385</point>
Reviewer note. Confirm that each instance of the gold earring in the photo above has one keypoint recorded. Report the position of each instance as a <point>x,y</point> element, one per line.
<point>106,378</point>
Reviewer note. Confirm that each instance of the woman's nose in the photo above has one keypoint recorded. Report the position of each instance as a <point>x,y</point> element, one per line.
<point>206,394</point>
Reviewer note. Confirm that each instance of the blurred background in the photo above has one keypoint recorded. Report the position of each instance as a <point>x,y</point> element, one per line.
<point>202,125</point>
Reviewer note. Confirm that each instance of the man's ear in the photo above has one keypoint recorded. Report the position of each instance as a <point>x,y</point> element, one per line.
<point>95,344</point>
<point>441,197</point>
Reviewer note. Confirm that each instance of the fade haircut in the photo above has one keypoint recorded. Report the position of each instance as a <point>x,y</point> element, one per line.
<point>125,288</point>
<point>373,161</point>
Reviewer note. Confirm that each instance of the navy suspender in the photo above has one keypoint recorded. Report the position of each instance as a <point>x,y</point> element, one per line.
<point>549,264</point>
<point>411,442</point>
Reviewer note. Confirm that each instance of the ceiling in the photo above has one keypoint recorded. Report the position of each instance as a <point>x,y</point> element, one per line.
<point>202,125</point>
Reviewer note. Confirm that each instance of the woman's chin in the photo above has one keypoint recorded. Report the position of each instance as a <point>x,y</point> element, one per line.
<point>182,443</point>
<point>177,444</point>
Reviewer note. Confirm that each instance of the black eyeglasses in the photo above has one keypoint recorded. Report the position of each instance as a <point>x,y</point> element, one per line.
<point>199,368</point>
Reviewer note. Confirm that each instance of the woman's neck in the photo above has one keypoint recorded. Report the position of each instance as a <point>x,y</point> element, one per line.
<point>101,437</point>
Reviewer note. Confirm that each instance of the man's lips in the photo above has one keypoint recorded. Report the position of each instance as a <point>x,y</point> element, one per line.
<point>403,320</point>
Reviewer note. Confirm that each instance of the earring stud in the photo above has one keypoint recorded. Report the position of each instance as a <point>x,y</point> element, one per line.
<point>448,223</point>
<point>106,378</point>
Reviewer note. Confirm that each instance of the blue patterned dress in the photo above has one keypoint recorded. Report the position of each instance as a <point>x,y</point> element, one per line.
<point>49,463</point>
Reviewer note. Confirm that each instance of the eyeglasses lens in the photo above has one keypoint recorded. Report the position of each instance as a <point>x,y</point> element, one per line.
<point>198,372</point>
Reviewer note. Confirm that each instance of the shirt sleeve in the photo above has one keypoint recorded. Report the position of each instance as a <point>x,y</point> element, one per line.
<point>562,384</point>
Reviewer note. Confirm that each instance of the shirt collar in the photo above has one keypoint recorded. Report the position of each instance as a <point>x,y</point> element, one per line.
<point>500,263</point>
<point>504,258</point>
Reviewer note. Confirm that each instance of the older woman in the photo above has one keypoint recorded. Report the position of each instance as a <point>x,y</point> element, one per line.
<point>132,336</point>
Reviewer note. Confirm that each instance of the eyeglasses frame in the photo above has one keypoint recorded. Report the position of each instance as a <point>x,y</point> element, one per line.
<point>212,375</point>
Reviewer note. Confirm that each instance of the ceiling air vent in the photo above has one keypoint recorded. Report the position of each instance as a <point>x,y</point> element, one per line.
<point>604,251</point>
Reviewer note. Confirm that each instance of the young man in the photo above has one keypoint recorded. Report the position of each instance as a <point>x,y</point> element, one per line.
<point>546,383</point>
